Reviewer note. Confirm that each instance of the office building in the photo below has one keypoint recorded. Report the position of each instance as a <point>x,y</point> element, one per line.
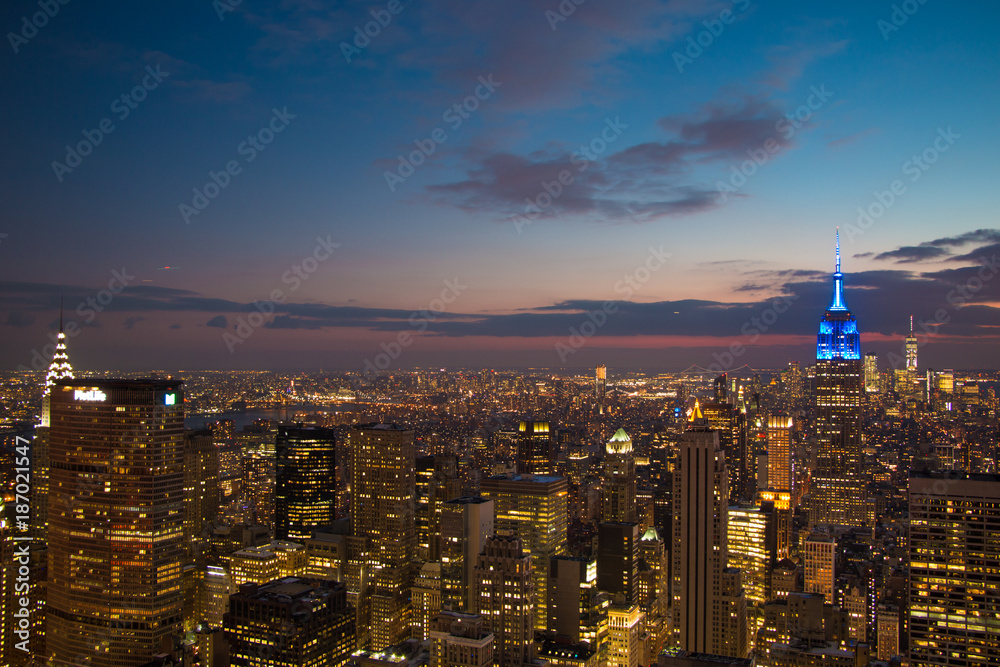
<point>536,448</point>
<point>618,489</point>
<point>700,523</point>
<point>618,559</point>
<point>954,570</point>
<point>292,621</point>
<point>819,565</point>
<point>466,523</point>
<point>780,472</point>
<point>306,495</point>
<point>201,488</point>
<point>116,490</point>
<point>460,640</point>
<point>383,487</point>
<point>534,509</point>
<point>625,626</point>
<point>507,600</point>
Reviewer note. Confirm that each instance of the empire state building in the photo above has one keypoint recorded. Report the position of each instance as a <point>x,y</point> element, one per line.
<point>838,490</point>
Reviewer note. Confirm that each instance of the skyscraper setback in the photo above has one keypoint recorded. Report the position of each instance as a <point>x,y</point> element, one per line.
<point>115,519</point>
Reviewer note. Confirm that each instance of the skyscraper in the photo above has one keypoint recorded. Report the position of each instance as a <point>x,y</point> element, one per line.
<point>600,386</point>
<point>535,448</point>
<point>911,349</point>
<point>871,373</point>
<point>507,600</point>
<point>954,557</point>
<point>116,519</point>
<point>534,509</point>
<point>383,486</point>
<point>305,468</point>
<point>618,559</point>
<point>290,621</point>
<point>618,486</point>
<point>466,523</point>
<point>201,487</point>
<point>624,632</point>
<point>700,520</point>
<point>780,475</point>
<point>820,565</point>
<point>837,489</point>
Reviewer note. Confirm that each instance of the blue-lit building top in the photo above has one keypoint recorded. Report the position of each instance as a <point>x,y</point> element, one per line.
<point>838,330</point>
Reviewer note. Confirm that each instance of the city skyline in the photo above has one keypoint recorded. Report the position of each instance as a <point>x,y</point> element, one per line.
<point>689,162</point>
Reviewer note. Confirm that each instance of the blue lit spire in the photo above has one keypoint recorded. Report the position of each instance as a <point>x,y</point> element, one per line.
<point>838,304</point>
<point>838,330</point>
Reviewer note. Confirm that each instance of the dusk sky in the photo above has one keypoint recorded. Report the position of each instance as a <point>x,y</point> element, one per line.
<point>652,114</point>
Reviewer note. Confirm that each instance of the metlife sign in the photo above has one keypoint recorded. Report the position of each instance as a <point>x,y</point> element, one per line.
<point>91,395</point>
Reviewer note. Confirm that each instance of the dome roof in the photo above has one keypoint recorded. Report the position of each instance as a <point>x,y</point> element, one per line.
<point>619,443</point>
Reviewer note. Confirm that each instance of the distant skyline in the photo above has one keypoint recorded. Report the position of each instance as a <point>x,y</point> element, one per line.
<point>468,183</point>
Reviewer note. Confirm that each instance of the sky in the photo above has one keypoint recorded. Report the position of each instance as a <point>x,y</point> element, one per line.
<point>350,185</point>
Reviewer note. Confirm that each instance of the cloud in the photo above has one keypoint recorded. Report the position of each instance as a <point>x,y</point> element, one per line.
<point>988,241</point>
<point>19,319</point>
<point>175,326</point>
<point>640,183</point>
<point>883,301</point>
<point>908,254</point>
<point>131,322</point>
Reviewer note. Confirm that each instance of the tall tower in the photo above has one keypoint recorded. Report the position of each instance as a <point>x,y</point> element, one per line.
<point>911,349</point>
<point>305,469</point>
<point>600,386</point>
<point>618,489</point>
<point>59,369</point>
<point>383,485</point>
<point>838,490</point>
<point>700,520</point>
<point>115,520</point>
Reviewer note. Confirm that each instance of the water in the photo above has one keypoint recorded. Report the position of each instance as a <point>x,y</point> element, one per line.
<point>244,418</point>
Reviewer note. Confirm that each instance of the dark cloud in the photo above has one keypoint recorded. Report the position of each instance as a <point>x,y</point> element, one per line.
<point>883,301</point>
<point>131,322</point>
<point>909,254</point>
<point>20,319</point>
<point>640,183</point>
<point>175,326</point>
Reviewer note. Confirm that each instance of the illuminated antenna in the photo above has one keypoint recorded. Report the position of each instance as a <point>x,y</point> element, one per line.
<point>911,323</point>
<point>838,249</point>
